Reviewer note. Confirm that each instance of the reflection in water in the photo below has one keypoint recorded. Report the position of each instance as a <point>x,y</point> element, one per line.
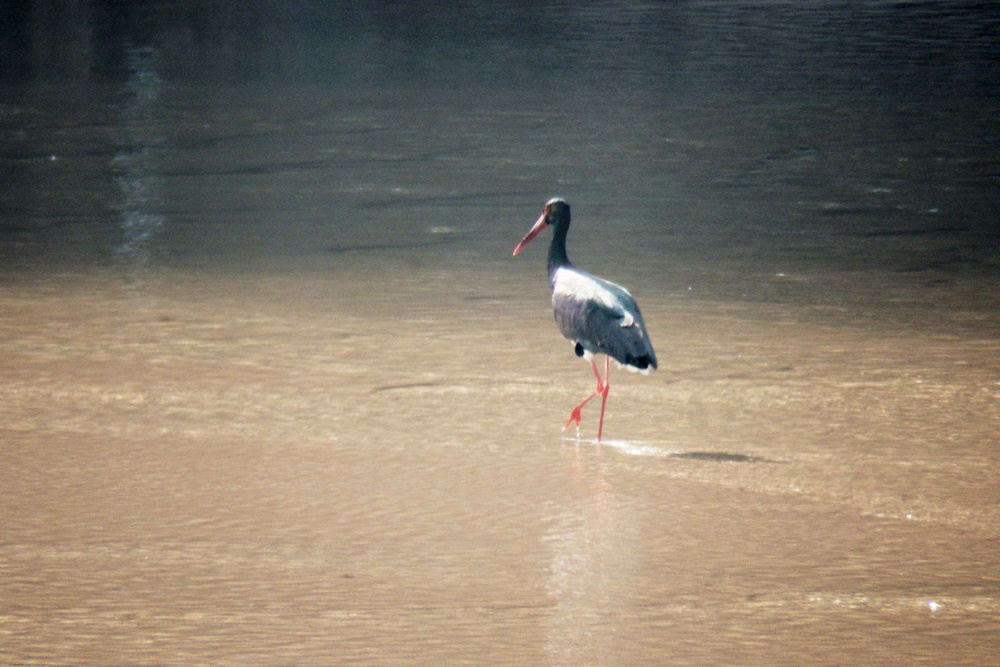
<point>135,163</point>
<point>591,541</point>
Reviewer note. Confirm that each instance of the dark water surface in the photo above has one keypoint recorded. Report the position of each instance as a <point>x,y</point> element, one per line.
<point>274,390</point>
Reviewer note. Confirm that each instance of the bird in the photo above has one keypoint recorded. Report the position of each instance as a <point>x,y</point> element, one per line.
<point>595,315</point>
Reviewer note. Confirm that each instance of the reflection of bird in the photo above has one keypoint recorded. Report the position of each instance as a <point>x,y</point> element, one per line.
<point>598,316</point>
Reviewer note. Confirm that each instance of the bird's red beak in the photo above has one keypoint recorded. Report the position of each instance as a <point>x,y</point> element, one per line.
<point>535,230</point>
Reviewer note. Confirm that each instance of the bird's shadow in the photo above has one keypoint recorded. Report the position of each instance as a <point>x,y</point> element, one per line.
<point>639,449</point>
<point>718,457</point>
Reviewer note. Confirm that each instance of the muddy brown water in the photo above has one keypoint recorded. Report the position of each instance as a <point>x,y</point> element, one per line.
<point>271,469</point>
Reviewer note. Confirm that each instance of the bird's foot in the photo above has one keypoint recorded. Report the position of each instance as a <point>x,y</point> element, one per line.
<point>575,416</point>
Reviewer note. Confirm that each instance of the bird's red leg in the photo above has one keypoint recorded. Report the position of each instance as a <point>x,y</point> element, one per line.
<point>601,389</point>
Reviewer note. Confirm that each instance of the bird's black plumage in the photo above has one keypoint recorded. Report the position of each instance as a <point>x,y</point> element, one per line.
<point>596,313</point>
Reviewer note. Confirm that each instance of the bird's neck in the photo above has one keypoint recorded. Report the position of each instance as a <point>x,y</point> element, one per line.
<point>557,249</point>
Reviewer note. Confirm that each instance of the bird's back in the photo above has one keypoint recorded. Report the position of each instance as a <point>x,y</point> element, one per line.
<point>601,317</point>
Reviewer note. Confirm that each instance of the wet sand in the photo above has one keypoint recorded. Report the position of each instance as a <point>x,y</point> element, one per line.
<point>273,469</point>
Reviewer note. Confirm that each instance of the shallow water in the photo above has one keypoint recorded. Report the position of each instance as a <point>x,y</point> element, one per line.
<point>227,468</point>
<point>274,390</point>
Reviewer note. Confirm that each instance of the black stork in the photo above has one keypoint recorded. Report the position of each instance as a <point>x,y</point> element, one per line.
<point>597,316</point>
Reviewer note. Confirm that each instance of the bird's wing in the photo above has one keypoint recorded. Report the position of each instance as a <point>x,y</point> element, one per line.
<point>615,330</point>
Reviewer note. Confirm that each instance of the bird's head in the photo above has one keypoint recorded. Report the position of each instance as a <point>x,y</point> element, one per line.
<point>555,212</point>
